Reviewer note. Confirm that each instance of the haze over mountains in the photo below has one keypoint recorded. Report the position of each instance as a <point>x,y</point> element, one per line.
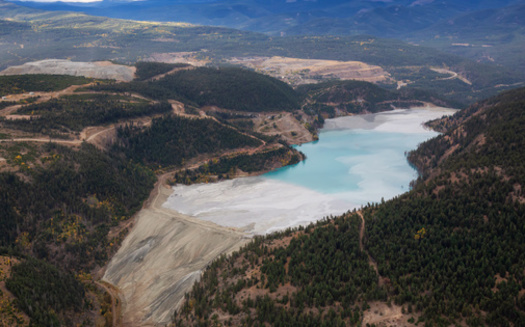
<point>388,18</point>
<point>470,28</point>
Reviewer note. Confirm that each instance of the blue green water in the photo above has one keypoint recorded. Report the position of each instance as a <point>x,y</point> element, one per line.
<point>357,160</point>
<point>367,164</point>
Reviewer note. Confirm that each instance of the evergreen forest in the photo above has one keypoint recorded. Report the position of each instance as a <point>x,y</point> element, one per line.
<point>449,252</point>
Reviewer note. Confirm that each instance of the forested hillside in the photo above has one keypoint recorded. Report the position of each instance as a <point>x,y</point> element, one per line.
<point>472,208</point>
<point>58,117</point>
<point>59,207</point>
<point>171,140</point>
<point>47,294</point>
<point>449,252</point>
<point>63,204</point>
<point>231,88</point>
<point>30,83</point>
<point>148,70</point>
<point>69,206</point>
<point>356,97</point>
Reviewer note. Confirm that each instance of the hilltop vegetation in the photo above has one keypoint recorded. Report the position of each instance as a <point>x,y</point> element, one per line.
<point>448,252</point>
<point>32,83</point>
<point>222,87</point>
<point>58,117</point>
<point>360,97</point>
<point>171,140</point>
<point>228,167</point>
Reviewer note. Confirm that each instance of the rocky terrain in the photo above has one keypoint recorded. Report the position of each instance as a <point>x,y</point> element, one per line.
<point>99,69</point>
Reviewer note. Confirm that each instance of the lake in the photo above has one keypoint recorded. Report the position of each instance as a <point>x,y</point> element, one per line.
<point>357,160</point>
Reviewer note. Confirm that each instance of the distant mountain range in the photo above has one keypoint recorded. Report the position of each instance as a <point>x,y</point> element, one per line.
<point>389,18</point>
<point>30,34</point>
<point>483,30</point>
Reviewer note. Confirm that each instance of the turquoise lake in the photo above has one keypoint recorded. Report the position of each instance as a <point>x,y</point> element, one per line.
<point>357,160</point>
<point>342,160</point>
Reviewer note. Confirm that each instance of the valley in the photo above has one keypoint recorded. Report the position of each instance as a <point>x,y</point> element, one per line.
<point>147,294</point>
<point>26,153</point>
<point>296,164</point>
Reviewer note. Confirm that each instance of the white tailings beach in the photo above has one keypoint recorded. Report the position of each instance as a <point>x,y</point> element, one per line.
<point>255,205</point>
<point>182,230</point>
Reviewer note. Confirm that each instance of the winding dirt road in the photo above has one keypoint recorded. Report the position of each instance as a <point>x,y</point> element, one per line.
<point>116,302</point>
<point>371,261</point>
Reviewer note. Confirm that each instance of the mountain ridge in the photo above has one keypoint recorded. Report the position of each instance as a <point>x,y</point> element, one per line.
<point>414,21</point>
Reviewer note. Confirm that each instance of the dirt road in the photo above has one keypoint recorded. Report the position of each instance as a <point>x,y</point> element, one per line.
<point>453,75</point>
<point>371,261</point>
<point>116,302</point>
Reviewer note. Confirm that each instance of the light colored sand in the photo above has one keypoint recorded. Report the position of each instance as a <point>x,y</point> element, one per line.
<point>101,69</point>
<point>178,58</point>
<point>160,260</point>
<point>453,75</point>
<point>254,204</point>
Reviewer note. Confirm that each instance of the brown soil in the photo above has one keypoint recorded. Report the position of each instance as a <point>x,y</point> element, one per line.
<point>116,302</point>
<point>297,71</point>
<point>381,314</point>
<point>285,125</point>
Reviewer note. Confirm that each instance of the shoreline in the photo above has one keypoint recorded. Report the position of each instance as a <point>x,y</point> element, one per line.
<point>166,252</point>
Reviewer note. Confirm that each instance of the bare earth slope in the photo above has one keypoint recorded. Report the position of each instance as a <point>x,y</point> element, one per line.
<point>161,259</point>
<point>99,69</point>
<point>302,71</point>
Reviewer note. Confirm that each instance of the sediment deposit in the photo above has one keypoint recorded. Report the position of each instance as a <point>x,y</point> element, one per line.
<point>162,257</point>
<point>98,69</point>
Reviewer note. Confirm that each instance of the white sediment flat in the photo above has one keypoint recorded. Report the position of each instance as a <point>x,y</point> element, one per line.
<point>254,204</point>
